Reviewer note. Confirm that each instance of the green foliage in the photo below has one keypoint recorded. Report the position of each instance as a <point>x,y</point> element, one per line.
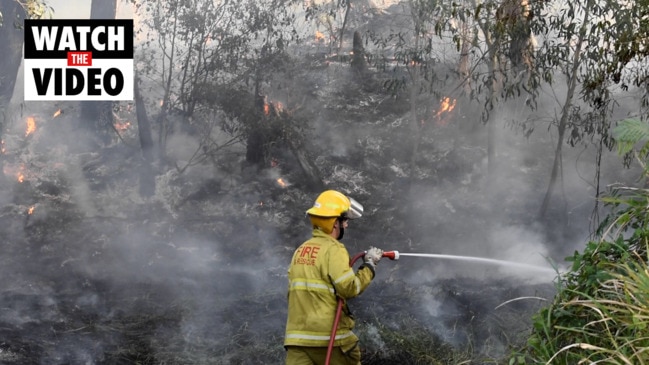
<point>35,9</point>
<point>190,50</point>
<point>628,133</point>
<point>594,44</point>
<point>601,310</point>
<point>591,318</point>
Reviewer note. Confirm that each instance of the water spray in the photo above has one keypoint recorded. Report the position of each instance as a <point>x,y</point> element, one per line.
<point>477,259</point>
<point>395,255</point>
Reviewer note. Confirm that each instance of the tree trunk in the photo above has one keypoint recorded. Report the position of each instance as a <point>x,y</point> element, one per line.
<point>466,34</point>
<point>556,165</point>
<point>11,44</point>
<point>103,9</point>
<point>342,28</point>
<point>359,63</point>
<point>415,125</point>
<point>143,126</point>
<point>308,167</point>
<point>565,112</point>
<point>147,177</point>
<point>97,116</point>
<point>493,87</point>
<point>491,149</point>
<point>256,140</point>
<point>168,67</point>
<point>491,125</point>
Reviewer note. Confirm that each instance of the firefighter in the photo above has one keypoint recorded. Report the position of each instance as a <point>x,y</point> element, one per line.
<point>318,275</point>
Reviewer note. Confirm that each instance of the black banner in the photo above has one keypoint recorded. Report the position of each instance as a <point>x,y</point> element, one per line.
<point>54,38</point>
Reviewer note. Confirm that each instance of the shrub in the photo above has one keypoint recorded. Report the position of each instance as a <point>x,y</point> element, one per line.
<point>601,311</point>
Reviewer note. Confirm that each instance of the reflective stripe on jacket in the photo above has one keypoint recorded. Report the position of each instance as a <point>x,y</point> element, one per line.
<point>319,273</point>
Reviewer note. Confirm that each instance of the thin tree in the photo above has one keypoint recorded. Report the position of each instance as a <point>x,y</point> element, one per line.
<point>201,52</point>
<point>147,176</point>
<point>600,44</point>
<point>482,35</point>
<point>494,41</point>
<point>12,15</point>
<point>11,41</point>
<point>97,116</point>
<point>571,73</point>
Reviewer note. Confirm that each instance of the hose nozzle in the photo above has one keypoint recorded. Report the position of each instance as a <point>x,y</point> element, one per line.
<point>392,255</point>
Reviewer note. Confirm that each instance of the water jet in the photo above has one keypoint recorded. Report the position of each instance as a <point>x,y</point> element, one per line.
<point>395,255</point>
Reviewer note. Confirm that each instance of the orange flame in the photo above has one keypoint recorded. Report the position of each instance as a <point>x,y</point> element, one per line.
<point>13,170</point>
<point>281,182</point>
<point>31,126</point>
<point>57,113</point>
<point>275,106</point>
<point>319,36</point>
<point>447,105</point>
<point>122,126</point>
<point>18,172</point>
<point>31,210</point>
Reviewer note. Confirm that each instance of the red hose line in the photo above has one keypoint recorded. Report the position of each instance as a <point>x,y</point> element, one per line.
<point>332,338</point>
<point>339,310</point>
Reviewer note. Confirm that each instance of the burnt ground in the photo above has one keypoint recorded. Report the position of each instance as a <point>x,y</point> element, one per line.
<point>96,274</point>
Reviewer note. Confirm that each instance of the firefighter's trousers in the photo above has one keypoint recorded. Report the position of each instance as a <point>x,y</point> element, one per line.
<point>299,355</point>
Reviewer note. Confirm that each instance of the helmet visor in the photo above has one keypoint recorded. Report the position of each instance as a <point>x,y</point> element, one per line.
<point>355,209</point>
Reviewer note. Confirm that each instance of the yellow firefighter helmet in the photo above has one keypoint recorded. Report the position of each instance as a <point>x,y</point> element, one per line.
<point>331,205</point>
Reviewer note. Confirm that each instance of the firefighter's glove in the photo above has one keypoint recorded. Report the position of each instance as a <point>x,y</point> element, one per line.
<point>373,256</point>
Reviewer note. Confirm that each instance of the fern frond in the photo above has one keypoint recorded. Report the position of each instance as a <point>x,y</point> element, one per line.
<point>628,133</point>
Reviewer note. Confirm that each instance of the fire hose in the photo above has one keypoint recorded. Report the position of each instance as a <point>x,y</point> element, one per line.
<point>392,255</point>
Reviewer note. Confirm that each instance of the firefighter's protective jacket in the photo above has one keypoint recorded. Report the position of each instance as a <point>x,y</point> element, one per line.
<point>319,273</point>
